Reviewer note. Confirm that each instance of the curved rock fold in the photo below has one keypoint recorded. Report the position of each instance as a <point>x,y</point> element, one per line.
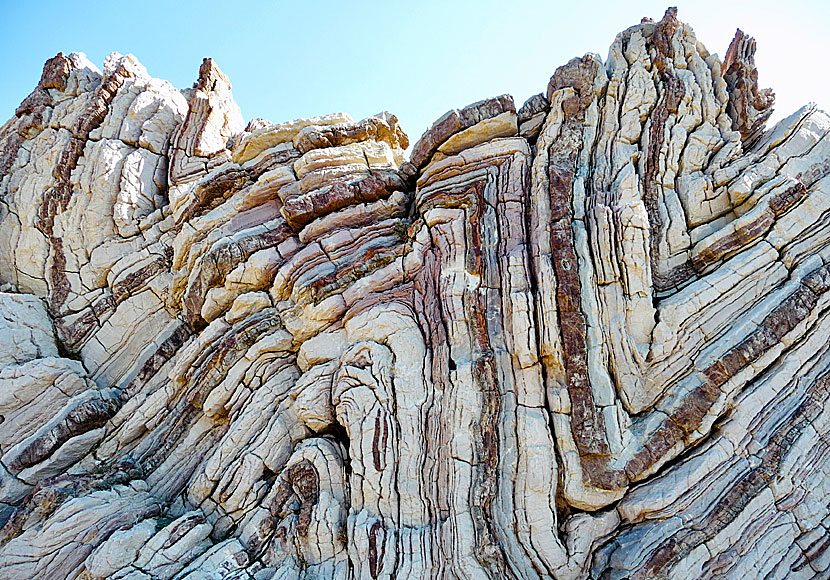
<point>587,338</point>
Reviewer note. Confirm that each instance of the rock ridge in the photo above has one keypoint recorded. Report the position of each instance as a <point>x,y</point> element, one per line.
<point>584,338</point>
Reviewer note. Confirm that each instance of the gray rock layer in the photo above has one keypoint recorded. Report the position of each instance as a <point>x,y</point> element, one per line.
<point>584,339</point>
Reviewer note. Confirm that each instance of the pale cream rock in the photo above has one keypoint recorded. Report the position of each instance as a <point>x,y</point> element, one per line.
<point>252,144</point>
<point>417,386</point>
<point>93,516</point>
<point>33,392</point>
<point>247,304</point>
<point>120,550</point>
<point>25,330</point>
<point>503,125</point>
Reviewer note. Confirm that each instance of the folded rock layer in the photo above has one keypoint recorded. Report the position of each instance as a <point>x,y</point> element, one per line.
<point>585,339</point>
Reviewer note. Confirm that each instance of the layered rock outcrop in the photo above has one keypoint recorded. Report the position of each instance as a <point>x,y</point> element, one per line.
<point>584,339</point>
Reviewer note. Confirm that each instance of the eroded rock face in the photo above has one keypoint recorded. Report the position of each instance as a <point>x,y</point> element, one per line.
<point>584,339</point>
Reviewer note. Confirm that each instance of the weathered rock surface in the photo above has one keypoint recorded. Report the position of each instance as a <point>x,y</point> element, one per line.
<point>585,339</point>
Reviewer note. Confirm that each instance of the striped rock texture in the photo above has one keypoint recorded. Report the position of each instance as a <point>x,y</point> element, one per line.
<point>584,339</point>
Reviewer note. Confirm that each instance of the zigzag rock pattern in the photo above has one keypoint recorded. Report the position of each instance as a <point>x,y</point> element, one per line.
<point>585,339</point>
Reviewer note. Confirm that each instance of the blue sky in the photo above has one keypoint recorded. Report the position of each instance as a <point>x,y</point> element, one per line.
<point>417,59</point>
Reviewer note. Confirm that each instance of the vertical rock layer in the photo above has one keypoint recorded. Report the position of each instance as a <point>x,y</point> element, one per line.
<point>584,339</point>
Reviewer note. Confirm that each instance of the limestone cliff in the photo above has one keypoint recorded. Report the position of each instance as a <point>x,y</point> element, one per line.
<point>584,339</point>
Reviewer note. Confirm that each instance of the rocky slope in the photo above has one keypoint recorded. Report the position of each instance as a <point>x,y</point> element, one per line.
<point>584,339</point>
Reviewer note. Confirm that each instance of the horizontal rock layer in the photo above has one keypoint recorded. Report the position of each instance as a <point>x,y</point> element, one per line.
<point>584,339</point>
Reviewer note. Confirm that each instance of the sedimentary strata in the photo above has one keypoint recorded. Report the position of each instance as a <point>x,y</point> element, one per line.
<point>588,338</point>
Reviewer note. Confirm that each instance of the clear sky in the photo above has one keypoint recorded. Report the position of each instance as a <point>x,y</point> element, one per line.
<point>417,59</point>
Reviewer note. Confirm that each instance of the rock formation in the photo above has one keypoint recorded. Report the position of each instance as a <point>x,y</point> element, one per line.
<point>584,339</point>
